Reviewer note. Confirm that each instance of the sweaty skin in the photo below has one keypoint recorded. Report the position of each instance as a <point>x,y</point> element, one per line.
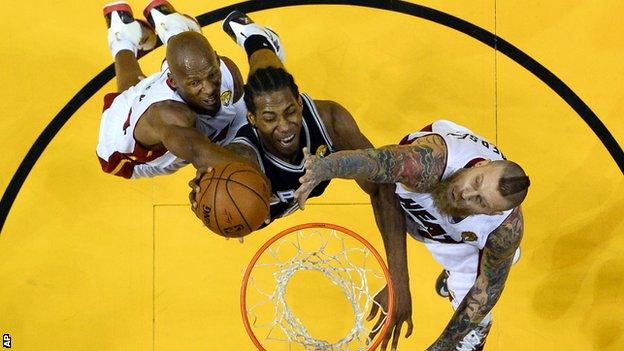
<point>346,135</point>
<point>196,75</point>
<point>496,262</point>
<point>420,167</point>
<point>277,118</point>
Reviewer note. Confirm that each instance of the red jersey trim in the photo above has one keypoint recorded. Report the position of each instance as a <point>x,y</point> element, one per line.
<point>122,165</point>
<point>169,84</point>
<point>108,100</point>
<point>144,155</point>
<point>427,128</point>
<point>406,140</point>
<point>118,164</point>
<point>472,162</point>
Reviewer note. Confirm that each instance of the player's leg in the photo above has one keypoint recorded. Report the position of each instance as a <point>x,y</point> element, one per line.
<point>127,39</point>
<point>262,45</point>
<point>127,70</point>
<point>441,284</point>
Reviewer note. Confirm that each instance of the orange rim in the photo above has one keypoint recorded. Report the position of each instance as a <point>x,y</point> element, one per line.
<point>252,263</point>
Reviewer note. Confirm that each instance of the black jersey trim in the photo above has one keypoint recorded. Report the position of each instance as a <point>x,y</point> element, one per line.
<point>420,11</point>
<point>281,163</point>
<point>290,210</point>
<point>319,121</point>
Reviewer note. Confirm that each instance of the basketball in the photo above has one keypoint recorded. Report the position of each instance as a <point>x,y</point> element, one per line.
<point>233,200</point>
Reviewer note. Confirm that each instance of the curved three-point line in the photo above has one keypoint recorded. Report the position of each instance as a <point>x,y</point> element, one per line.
<point>476,32</point>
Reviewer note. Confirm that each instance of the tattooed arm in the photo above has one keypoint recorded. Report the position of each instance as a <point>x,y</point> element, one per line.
<point>346,135</point>
<point>419,166</point>
<point>496,261</point>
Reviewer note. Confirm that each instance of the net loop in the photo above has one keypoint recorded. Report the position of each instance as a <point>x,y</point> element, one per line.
<point>331,251</point>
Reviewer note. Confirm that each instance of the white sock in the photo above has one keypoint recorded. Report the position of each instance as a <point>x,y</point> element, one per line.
<point>123,36</point>
<point>118,45</point>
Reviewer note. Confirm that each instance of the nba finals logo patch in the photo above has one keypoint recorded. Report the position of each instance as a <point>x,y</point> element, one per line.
<point>469,236</point>
<point>225,97</point>
<point>321,151</point>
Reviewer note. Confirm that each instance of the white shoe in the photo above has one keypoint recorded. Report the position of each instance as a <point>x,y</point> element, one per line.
<point>475,340</point>
<point>167,22</point>
<point>126,33</point>
<point>441,284</point>
<point>240,27</point>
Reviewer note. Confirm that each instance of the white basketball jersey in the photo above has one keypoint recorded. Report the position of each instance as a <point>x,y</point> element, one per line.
<point>425,222</point>
<point>119,152</point>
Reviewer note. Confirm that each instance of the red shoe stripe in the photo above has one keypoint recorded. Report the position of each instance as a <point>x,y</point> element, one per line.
<point>152,4</point>
<point>108,100</point>
<point>116,6</point>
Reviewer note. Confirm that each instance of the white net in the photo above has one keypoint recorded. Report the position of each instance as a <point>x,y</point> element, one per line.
<point>312,290</point>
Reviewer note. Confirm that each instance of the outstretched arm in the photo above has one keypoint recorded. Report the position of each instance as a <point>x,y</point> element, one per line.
<point>389,217</point>
<point>391,223</point>
<point>172,124</point>
<point>496,262</point>
<point>239,149</point>
<point>419,166</point>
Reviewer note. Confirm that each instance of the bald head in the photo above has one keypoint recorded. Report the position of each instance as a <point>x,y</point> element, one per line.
<point>187,49</point>
<point>195,71</point>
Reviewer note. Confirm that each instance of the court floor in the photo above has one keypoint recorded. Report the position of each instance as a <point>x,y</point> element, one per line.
<point>92,262</point>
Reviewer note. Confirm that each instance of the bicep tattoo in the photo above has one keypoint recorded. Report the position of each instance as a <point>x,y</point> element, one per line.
<point>503,242</point>
<point>419,165</point>
<point>498,255</point>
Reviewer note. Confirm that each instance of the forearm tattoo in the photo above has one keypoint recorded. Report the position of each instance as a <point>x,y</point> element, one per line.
<point>495,265</point>
<point>419,165</point>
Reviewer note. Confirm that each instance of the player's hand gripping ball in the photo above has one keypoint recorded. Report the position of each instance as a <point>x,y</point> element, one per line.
<point>233,199</point>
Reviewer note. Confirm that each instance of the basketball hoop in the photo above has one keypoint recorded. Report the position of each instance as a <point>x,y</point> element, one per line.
<point>346,260</point>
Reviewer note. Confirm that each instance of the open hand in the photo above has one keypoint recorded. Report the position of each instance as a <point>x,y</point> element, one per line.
<point>402,314</point>
<point>316,172</point>
<point>194,184</point>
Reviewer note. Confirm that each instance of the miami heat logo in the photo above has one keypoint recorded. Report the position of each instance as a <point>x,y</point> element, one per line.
<point>469,236</point>
<point>225,97</point>
<point>321,151</point>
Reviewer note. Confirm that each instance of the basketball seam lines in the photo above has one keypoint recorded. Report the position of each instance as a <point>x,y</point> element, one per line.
<point>518,56</point>
<point>235,204</point>
<point>201,217</point>
<point>204,193</point>
<point>244,185</point>
<point>214,201</point>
